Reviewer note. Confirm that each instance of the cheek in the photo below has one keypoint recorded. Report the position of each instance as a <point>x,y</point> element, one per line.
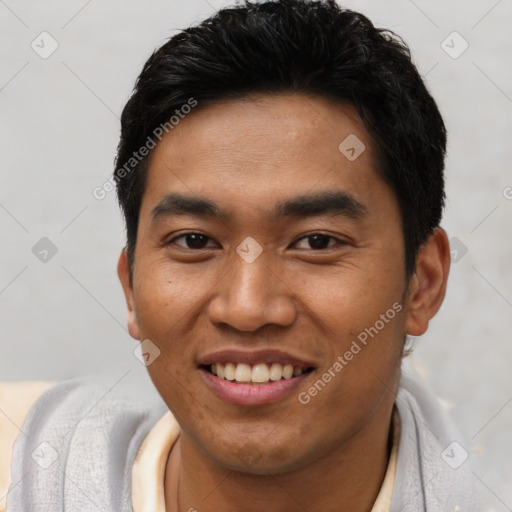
<point>164,294</point>
<point>161,305</point>
<point>169,301</point>
<point>351,296</point>
<point>360,310</point>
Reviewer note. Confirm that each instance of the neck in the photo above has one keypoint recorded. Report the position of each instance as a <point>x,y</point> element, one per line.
<point>346,480</point>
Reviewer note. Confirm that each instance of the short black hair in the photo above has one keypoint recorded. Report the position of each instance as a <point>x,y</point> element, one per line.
<point>314,48</point>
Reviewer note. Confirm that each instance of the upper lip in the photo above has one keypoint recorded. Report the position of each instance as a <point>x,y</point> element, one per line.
<point>253,357</point>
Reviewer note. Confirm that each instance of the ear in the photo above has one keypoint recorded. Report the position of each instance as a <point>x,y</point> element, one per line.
<point>123,272</point>
<point>427,286</point>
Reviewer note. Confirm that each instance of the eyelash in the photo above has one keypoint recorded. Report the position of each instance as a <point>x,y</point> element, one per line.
<point>339,242</point>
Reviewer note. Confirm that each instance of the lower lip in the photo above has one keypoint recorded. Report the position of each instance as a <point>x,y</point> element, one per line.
<point>252,394</point>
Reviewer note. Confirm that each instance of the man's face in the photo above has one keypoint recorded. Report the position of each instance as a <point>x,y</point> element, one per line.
<point>326,274</point>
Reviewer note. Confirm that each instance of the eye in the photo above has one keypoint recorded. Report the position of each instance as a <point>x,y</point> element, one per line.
<point>192,240</point>
<point>318,241</point>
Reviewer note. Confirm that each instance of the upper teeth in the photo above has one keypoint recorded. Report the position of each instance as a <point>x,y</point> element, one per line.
<point>258,373</point>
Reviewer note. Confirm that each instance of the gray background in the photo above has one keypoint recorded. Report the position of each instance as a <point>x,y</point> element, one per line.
<point>59,130</point>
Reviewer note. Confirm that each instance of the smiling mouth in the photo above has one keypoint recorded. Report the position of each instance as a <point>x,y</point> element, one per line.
<point>261,373</point>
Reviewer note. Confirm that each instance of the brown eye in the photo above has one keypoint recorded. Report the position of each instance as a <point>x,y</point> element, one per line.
<point>192,240</point>
<point>318,241</point>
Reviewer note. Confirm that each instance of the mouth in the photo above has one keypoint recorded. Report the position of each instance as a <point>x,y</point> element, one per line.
<point>260,374</point>
<point>254,378</point>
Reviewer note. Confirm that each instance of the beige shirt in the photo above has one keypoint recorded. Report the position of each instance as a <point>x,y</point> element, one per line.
<point>148,471</point>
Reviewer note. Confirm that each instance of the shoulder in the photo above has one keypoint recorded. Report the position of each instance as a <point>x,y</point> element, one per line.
<point>432,469</point>
<point>16,399</point>
<point>79,441</point>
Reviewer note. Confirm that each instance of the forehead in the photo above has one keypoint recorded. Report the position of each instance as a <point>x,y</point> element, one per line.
<point>260,148</point>
<point>256,122</point>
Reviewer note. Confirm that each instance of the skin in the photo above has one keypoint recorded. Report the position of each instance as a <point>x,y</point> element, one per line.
<point>246,155</point>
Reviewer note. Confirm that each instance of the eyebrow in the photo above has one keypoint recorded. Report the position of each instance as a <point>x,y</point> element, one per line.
<point>338,203</point>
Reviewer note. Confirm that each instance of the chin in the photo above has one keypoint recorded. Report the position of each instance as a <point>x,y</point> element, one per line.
<point>260,459</point>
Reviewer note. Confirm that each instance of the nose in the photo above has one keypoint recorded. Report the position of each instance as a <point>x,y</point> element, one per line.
<point>251,295</point>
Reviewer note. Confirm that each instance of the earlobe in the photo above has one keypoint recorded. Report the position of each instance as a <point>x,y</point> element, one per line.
<point>427,286</point>
<point>123,272</point>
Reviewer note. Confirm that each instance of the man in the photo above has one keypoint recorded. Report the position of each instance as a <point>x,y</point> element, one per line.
<point>280,171</point>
